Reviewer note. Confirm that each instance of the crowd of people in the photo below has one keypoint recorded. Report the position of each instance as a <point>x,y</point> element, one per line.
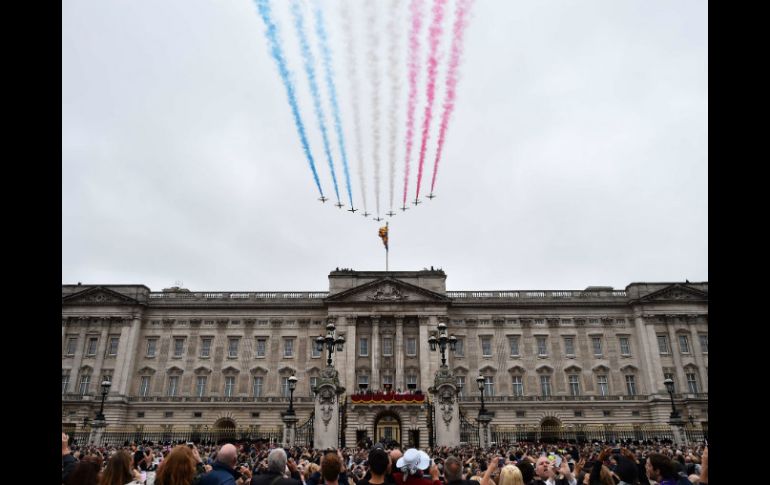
<point>259,463</point>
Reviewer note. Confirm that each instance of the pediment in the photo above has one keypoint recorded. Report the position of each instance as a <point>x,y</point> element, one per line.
<point>388,290</point>
<point>98,295</point>
<point>676,292</point>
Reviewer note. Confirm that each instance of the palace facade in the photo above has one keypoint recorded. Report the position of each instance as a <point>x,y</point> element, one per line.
<point>223,359</point>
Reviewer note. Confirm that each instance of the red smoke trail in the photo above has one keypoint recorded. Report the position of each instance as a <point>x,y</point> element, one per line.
<point>461,21</point>
<point>435,36</point>
<point>415,7</point>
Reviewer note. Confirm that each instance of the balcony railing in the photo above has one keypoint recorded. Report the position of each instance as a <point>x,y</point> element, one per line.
<point>536,294</point>
<point>244,399</point>
<point>558,398</point>
<point>240,296</point>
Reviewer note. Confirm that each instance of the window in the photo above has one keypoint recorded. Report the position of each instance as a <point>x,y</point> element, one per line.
<point>411,379</point>
<point>684,344</point>
<point>200,386</point>
<point>704,343</point>
<point>486,346</point>
<point>513,342</point>
<point>168,414</point>
<point>521,414</point>
<point>460,348</point>
<point>631,385</point>
<point>606,413</point>
<point>65,382</point>
<point>489,385</point>
<point>692,382</point>
<point>262,347</point>
<point>387,346</point>
<point>663,344</point>
<point>257,386</point>
<point>574,385</point>
<point>313,383</point>
<point>387,379</point>
<point>314,352</point>
<point>197,415</point>
<point>545,385</point>
<point>229,386</point>
<point>91,348</point>
<point>72,344</point>
<point>625,346</point>
<point>112,350</point>
<point>288,347</point>
<point>517,386</point>
<point>542,350</point>
<point>285,391</point>
<point>173,381</point>
<point>84,381</point>
<point>363,346</point>
<point>604,389</point>
<point>363,379</point>
<point>152,344</point>
<point>460,383</point>
<point>206,347</point>
<point>411,346</point>
<point>569,345</point>
<point>232,347</point>
<point>178,347</point>
<point>140,414</point>
<point>635,413</point>
<point>670,375</point>
<point>597,345</point>
<point>144,386</point>
<point>578,414</point>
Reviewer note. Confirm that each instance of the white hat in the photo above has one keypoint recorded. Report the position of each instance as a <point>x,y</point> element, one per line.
<point>414,459</point>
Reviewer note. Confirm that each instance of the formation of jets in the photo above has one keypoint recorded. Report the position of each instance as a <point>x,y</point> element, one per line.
<point>390,213</point>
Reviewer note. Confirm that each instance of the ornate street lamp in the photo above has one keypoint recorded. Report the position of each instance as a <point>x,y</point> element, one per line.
<point>292,385</point>
<point>105,389</point>
<point>441,340</point>
<point>480,382</point>
<point>670,388</point>
<point>330,341</point>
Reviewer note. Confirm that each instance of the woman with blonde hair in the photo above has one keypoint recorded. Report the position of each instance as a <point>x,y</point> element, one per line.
<point>510,475</point>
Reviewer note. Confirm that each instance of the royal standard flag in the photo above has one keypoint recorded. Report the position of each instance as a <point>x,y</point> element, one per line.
<point>384,236</point>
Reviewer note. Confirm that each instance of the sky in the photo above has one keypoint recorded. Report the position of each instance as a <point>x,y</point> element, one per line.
<point>575,156</point>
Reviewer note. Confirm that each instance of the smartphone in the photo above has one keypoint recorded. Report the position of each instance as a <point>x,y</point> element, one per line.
<point>501,463</point>
<point>558,461</point>
<point>190,445</point>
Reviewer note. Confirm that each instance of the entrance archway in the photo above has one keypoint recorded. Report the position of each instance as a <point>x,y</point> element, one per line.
<point>387,427</point>
<point>224,429</point>
<point>550,428</point>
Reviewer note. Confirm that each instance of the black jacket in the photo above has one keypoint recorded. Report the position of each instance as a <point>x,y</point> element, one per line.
<point>270,479</point>
<point>68,463</point>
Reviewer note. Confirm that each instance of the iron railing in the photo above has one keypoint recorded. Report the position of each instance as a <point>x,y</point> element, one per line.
<point>591,433</point>
<point>121,436</point>
<point>304,433</point>
<point>469,432</point>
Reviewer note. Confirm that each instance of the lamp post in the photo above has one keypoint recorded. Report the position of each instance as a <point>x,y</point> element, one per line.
<point>480,382</point>
<point>441,340</point>
<point>670,388</point>
<point>675,420</point>
<point>330,341</point>
<point>292,386</point>
<point>105,390</point>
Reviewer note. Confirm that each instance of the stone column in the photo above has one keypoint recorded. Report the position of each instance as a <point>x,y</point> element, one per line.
<point>375,352</point>
<point>399,384</point>
<point>77,360</point>
<point>675,353</point>
<point>326,418</point>
<point>101,350</point>
<point>128,348</point>
<point>426,373</point>
<point>446,409</point>
<point>650,358</point>
<point>349,376</point>
<point>698,355</point>
<point>289,429</point>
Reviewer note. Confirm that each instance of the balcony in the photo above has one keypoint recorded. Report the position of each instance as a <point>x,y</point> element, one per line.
<point>204,399</point>
<point>557,398</point>
<point>377,398</point>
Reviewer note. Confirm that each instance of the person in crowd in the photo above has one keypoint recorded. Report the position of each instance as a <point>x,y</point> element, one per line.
<point>277,462</point>
<point>68,460</point>
<point>120,471</point>
<point>662,469</point>
<point>547,473</point>
<point>411,468</point>
<point>180,467</point>
<point>86,471</point>
<point>224,471</point>
<point>379,466</point>
<point>453,472</point>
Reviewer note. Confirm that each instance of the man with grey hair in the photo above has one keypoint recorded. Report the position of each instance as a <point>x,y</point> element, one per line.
<point>453,472</point>
<point>223,471</point>
<point>276,469</point>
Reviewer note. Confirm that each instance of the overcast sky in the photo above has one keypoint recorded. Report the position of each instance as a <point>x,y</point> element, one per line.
<point>576,154</point>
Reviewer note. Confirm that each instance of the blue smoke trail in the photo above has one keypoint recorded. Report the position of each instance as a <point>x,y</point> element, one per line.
<point>307,55</point>
<point>328,71</point>
<point>277,53</point>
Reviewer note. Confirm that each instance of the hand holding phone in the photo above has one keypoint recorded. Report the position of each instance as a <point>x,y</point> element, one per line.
<point>501,463</point>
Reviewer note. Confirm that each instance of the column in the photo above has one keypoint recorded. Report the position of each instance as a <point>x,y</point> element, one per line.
<point>127,351</point>
<point>697,353</point>
<point>648,350</point>
<point>426,374</point>
<point>77,360</point>
<point>375,352</point>
<point>349,375</point>
<point>101,350</point>
<point>681,381</point>
<point>400,384</point>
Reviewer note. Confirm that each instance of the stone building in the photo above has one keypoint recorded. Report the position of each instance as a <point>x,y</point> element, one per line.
<point>222,359</point>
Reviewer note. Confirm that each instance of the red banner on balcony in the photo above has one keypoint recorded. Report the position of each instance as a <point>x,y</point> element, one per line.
<point>387,398</point>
